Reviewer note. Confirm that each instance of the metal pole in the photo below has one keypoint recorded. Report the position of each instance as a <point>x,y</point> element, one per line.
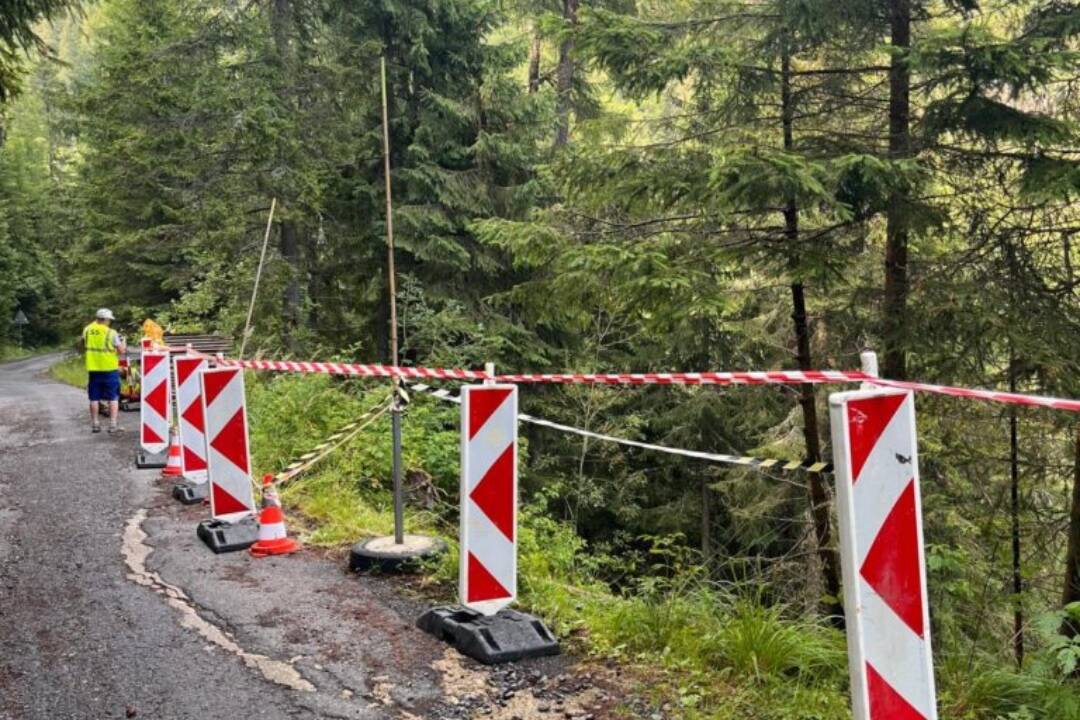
<point>395,410</point>
<point>399,502</point>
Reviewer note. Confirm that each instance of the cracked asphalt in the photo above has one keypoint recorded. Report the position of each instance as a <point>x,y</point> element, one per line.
<point>110,607</point>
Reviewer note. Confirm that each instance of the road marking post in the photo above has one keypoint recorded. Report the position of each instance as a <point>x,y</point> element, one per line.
<point>155,409</point>
<point>192,429</point>
<point>228,459</point>
<point>488,577</point>
<point>485,628</point>
<point>882,555</point>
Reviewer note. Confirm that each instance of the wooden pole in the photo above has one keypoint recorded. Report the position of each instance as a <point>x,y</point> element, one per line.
<point>392,280</point>
<point>258,276</point>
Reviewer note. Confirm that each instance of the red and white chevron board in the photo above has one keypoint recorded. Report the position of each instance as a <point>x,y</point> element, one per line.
<point>228,459</point>
<point>186,369</point>
<point>881,552</point>
<point>155,406</point>
<point>488,570</point>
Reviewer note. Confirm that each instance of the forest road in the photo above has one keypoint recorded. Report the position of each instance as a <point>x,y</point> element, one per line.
<point>110,607</point>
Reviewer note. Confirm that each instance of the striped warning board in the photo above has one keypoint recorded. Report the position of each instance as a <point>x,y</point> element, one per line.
<point>156,405</point>
<point>488,571</point>
<point>228,459</point>
<point>881,549</point>
<point>189,407</point>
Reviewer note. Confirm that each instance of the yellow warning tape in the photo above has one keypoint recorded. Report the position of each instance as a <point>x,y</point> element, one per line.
<point>333,441</point>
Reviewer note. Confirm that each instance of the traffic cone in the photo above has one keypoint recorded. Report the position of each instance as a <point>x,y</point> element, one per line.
<point>273,540</point>
<point>172,465</point>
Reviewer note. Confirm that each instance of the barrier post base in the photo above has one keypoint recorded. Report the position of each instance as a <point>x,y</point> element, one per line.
<point>222,537</point>
<point>382,553</point>
<point>190,493</point>
<point>507,636</point>
<point>144,460</point>
<point>129,405</point>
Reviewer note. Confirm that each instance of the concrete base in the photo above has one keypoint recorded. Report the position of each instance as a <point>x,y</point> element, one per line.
<point>382,553</point>
<point>191,493</point>
<point>145,460</point>
<point>507,636</point>
<point>223,537</point>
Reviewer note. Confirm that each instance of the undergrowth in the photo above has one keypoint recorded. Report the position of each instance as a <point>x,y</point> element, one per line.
<point>71,370</point>
<point>709,651</point>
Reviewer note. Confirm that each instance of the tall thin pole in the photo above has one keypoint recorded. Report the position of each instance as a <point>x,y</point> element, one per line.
<point>395,411</point>
<point>389,221</point>
<point>258,276</point>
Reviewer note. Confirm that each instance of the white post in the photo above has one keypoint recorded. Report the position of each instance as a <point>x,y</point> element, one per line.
<point>869,366</point>
<point>489,368</point>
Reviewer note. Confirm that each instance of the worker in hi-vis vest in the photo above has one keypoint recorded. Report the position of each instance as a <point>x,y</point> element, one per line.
<point>103,347</point>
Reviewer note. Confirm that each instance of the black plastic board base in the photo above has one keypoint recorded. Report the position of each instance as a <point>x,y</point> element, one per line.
<point>383,554</point>
<point>223,537</point>
<point>507,636</point>
<point>145,460</point>
<point>129,405</point>
<point>191,493</point>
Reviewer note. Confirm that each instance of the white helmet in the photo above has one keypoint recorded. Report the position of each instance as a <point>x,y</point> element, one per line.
<point>105,314</point>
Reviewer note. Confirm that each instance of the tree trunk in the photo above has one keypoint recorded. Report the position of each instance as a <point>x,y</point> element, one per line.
<point>894,304</point>
<point>1071,592</point>
<point>564,77</point>
<point>819,494</point>
<point>534,62</point>
<point>1014,511</point>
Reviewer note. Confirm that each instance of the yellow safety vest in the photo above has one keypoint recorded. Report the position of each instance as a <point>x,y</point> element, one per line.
<point>100,343</point>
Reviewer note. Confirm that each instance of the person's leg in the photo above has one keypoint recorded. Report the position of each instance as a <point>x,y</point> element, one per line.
<point>93,389</point>
<point>114,401</point>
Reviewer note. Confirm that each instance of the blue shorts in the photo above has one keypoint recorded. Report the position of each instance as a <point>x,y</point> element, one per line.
<point>104,386</point>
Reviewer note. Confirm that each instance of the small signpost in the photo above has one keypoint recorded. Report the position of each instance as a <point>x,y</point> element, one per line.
<point>20,321</point>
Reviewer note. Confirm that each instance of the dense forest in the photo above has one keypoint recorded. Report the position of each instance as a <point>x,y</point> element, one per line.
<point>618,185</point>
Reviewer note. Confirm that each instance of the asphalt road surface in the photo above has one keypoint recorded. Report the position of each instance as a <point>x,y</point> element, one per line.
<point>110,607</point>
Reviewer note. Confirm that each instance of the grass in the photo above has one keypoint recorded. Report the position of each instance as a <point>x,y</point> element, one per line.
<point>707,651</point>
<point>71,370</point>
<point>14,352</point>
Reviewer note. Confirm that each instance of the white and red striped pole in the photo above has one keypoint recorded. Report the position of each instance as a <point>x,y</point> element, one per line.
<point>882,555</point>
<point>155,406</point>
<point>488,570</point>
<point>191,425</point>
<point>227,454</point>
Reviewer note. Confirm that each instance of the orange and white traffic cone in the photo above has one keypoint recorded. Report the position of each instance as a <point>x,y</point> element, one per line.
<point>273,539</point>
<point>172,465</point>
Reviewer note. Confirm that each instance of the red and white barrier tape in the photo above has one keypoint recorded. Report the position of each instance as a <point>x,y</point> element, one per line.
<point>990,395</point>
<point>767,377</point>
